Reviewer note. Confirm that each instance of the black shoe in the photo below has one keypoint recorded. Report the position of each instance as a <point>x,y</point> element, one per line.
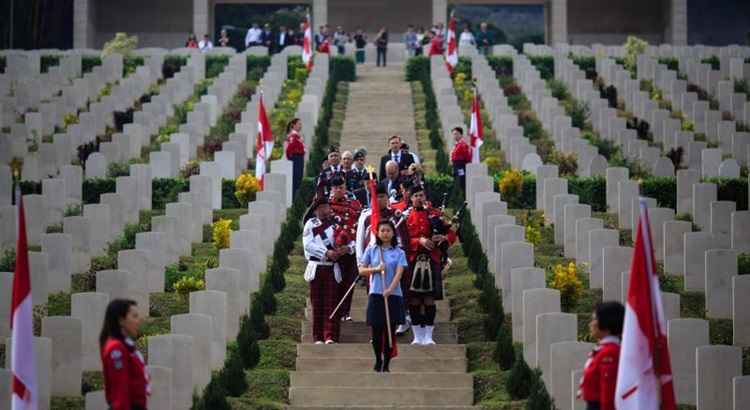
<point>378,366</point>
<point>385,368</point>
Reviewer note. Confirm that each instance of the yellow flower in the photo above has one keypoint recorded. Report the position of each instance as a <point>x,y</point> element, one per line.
<point>566,280</point>
<point>221,231</point>
<point>511,184</point>
<point>245,187</point>
<point>533,234</point>
<point>187,284</point>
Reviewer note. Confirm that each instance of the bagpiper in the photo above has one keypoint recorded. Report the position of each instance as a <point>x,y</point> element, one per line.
<point>346,213</point>
<point>426,232</point>
<point>323,272</point>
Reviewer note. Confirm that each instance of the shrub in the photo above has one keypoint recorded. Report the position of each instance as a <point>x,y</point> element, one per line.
<point>258,323</point>
<point>503,65</point>
<point>8,260</point>
<point>566,280</point>
<point>539,398</point>
<point>567,163</point>
<point>533,234</point>
<point>344,68</point>
<point>221,233</point>
<point>510,184</point>
<point>232,376</point>
<point>70,118</point>
<point>579,112</point>
<point>215,65</point>
<point>245,187</point>
<point>504,354</point>
<point>545,65</point>
<point>166,190</point>
<point>214,397</point>
<point>519,380</point>
<point>558,89</point>
<point>634,47</point>
<point>120,44</point>
<point>267,298</point>
<point>118,169</point>
<point>93,187</point>
<point>247,344</point>
<point>187,284</point>
<point>743,263</point>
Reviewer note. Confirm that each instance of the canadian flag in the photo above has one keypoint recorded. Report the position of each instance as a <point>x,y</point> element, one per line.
<point>644,375</point>
<point>475,129</point>
<point>307,52</point>
<point>22,361</point>
<point>263,142</point>
<point>451,52</point>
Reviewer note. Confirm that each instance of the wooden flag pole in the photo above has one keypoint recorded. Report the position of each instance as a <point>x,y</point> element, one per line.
<point>385,300</point>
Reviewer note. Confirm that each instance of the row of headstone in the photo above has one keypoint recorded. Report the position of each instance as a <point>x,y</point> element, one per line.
<point>449,111</point>
<point>308,109</point>
<point>609,270</point>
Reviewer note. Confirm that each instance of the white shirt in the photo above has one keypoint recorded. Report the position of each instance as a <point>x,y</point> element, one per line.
<point>253,35</point>
<point>205,45</point>
<point>466,38</point>
<point>282,37</point>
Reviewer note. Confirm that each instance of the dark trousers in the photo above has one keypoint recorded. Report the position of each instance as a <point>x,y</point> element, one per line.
<point>381,54</point>
<point>298,166</point>
<point>459,175</point>
<point>324,297</point>
<point>349,273</point>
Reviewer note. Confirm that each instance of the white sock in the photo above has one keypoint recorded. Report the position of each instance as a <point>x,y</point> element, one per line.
<point>427,338</point>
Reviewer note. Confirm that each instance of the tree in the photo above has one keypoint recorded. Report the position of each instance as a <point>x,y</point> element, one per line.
<point>539,398</point>
<point>258,319</point>
<point>247,344</point>
<point>214,397</point>
<point>232,376</point>
<point>519,380</point>
<point>504,354</point>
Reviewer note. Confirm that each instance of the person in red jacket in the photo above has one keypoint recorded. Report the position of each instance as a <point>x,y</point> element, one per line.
<point>126,380</point>
<point>599,379</point>
<point>295,151</point>
<point>460,156</point>
<point>426,231</point>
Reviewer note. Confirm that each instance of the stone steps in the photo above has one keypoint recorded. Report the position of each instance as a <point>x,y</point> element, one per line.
<point>379,380</point>
<point>383,407</point>
<point>365,350</point>
<point>399,364</point>
<point>358,314</point>
<point>392,396</point>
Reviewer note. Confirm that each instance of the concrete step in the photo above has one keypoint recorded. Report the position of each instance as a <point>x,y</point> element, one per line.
<point>364,350</point>
<point>359,301</point>
<point>348,337</point>
<point>360,314</point>
<point>381,380</point>
<point>399,364</point>
<point>384,407</point>
<point>441,328</point>
<point>352,396</point>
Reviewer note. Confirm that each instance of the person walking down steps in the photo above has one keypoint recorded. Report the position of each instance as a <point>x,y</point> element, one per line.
<point>384,263</point>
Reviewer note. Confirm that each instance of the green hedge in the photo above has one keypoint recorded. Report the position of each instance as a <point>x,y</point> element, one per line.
<point>503,65</point>
<point>344,68</point>
<point>257,66</point>
<point>172,64</point>
<point>89,62</point>
<point>545,65</point>
<point>587,64</point>
<point>215,65</point>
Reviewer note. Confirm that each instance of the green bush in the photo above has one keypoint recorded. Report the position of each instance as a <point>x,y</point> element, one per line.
<point>258,323</point>
<point>344,68</point>
<point>592,191</point>
<point>504,354</point>
<point>215,65</point>
<point>232,376</point>
<point>545,65</point>
<point>663,189</point>
<point>166,190</point>
<point>266,298</point>
<point>417,68</point>
<point>743,264</point>
<point>539,398</point>
<point>47,61</point>
<point>257,66</point>
<point>93,187</point>
<point>558,89</point>
<point>172,64</point>
<point>89,62</point>
<point>502,65</point>
<point>520,378</point>
<point>130,64</point>
<point>247,344</point>
<point>587,64</point>
<point>228,199</point>
<point>214,397</point>
<point>732,189</point>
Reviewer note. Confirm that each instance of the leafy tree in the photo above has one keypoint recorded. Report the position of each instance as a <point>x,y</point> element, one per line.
<point>504,354</point>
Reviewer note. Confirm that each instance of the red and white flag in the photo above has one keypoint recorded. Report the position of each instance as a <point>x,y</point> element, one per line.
<point>263,142</point>
<point>22,361</point>
<point>451,51</point>
<point>307,51</point>
<point>475,129</point>
<point>644,376</point>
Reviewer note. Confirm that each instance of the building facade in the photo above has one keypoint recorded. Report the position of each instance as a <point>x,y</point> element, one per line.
<point>166,23</point>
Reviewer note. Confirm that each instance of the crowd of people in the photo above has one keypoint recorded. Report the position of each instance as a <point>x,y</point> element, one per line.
<point>418,40</point>
<point>379,227</point>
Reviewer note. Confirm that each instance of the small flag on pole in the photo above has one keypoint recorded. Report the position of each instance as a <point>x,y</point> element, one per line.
<point>307,52</point>
<point>644,375</point>
<point>451,53</point>
<point>263,143</point>
<point>22,361</point>
<point>475,128</point>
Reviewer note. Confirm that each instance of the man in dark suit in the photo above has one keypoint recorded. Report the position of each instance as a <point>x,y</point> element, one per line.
<point>396,154</point>
<point>267,37</point>
<point>283,39</point>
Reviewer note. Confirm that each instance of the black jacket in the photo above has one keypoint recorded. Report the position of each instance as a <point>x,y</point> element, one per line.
<point>404,162</point>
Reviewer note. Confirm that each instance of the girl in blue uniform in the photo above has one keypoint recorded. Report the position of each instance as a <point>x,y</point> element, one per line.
<point>384,258</point>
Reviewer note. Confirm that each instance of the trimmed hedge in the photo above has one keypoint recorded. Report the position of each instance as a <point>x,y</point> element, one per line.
<point>545,65</point>
<point>215,65</point>
<point>344,68</point>
<point>503,65</point>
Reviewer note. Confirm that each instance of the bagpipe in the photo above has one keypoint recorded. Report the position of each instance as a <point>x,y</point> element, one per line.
<point>441,224</point>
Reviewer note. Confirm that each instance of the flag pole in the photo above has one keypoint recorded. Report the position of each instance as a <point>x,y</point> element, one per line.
<point>385,300</point>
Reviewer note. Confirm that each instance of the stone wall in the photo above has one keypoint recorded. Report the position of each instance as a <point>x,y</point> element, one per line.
<point>609,22</point>
<point>395,15</point>
<point>157,23</point>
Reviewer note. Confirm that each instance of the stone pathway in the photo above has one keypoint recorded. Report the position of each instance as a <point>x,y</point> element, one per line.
<point>379,106</point>
<point>341,376</point>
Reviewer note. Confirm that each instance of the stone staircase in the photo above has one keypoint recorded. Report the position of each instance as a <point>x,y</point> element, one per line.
<point>380,105</point>
<point>341,377</point>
